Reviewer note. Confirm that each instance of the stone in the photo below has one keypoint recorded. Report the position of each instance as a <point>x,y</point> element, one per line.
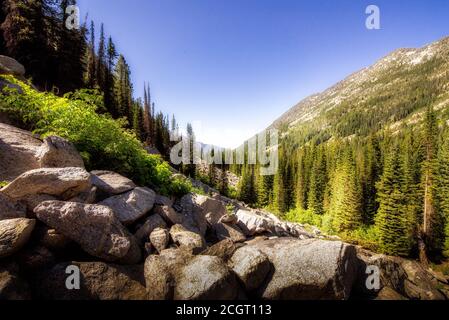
<point>12,287</point>
<point>99,281</point>
<point>251,223</point>
<point>53,240</point>
<point>187,239</point>
<point>11,66</point>
<point>251,266</point>
<point>62,182</point>
<point>18,149</point>
<point>34,258</point>
<point>111,183</point>
<point>57,152</point>
<point>195,208</point>
<point>205,278</point>
<point>5,86</point>
<point>10,209</point>
<point>223,249</point>
<point>161,271</point>
<point>33,200</point>
<point>14,234</point>
<point>230,218</point>
<point>389,294</point>
<point>160,238</point>
<point>87,197</point>
<point>227,231</point>
<point>152,222</point>
<point>308,269</point>
<point>94,227</point>
<point>169,214</point>
<point>163,201</point>
<point>131,206</point>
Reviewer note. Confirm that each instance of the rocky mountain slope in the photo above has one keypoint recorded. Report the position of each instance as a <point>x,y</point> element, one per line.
<point>395,88</point>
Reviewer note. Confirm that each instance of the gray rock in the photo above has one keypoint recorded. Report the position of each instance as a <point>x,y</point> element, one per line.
<point>205,278</point>
<point>169,214</point>
<point>223,249</point>
<point>10,209</point>
<point>11,66</point>
<point>187,239</point>
<point>99,281</point>
<point>159,281</point>
<point>159,238</point>
<point>131,206</point>
<point>152,222</point>
<point>63,182</point>
<point>111,183</point>
<point>308,269</point>
<point>388,294</point>
<point>251,266</point>
<point>52,239</point>
<point>18,149</point>
<point>87,197</point>
<point>253,224</point>
<point>14,234</point>
<point>94,227</point>
<point>57,152</point>
<point>12,287</point>
<point>227,231</point>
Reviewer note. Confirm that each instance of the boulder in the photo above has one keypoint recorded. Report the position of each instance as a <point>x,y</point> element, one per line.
<point>57,152</point>
<point>131,206</point>
<point>52,239</point>
<point>308,269</point>
<point>33,200</point>
<point>195,208</point>
<point>111,183</point>
<point>94,227</point>
<point>10,209</point>
<point>163,201</point>
<point>87,197</point>
<point>11,66</point>
<point>389,294</point>
<point>161,271</point>
<point>63,182</point>
<point>34,258</point>
<point>18,149</point>
<point>187,239</point>
<point>14,234</point>
<point>152,222</point>
<point>253,224</point>
<point>169,214</point>
<point>251,266</point>
<point>230,218</point>
<point>99,281</point>
<point>206,278</point>
<point>229,231</point>
<point>5,86</point>
<point>12,287</point>
<point>223,249</point>
<point>159,238</point>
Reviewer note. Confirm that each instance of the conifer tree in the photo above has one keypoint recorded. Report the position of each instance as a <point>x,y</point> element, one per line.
<point>443,188</point>
<point>318,181</point>
<point>91,59</point>
<point>391,220</point>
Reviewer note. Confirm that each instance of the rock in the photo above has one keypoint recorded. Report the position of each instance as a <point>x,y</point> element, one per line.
<point>131,206</point>
<point>94,227</point>
<point>251,266</point>
<point>111,183</point>
<point>159,238</point>
<point>153,222</point>
<point>64,182</point>
<point>161,271</point>
<point>57,152</point>
<point>10,86</point>
<point>12,287</point>
<point>187,239</point>
<point>251,223</point>
<point>205,278</point>
<point>210,208</point>
<point>33,200</point>
<point>226,231</point>
<point>11,66</point>
<point>223,249</point>
<point>163,201</point>
<point>169,214</point>
<point>18,149</point>
<point>159,281</point>
<point>308,269</point>
<point>14,234</point>
<point>87,197</point>
<point>195,208</point>
<point>148,248</point>
<point>10,209</point>
<point>229,218</point>
<point>99,281</point>
<point>389,294</point>
<point>34,258</point>
<point>53,240</point>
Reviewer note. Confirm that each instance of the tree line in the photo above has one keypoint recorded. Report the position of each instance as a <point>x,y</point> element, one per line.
<point>388,189</point>
<point>61,60</point>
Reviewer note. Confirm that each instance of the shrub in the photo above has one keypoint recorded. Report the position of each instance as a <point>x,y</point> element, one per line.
<point>103,142</point>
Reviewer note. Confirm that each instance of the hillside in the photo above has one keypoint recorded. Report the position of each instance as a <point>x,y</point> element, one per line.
<point>395,88</point>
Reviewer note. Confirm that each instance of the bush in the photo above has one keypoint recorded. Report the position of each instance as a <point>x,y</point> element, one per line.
<point>103,142</point>
<point>304,217</point>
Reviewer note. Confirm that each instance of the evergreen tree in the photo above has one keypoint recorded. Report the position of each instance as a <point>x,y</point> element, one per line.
<point>345,206</point>
<point>443,188</point>
<point>91,59</point>
<point>391,220</point>
<point>372,171</point>
<point>122,88</point>
<point>101,60</point>
<point>318,182</point>
<point>109,99</point>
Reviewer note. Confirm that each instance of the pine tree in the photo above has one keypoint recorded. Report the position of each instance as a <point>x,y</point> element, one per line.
<point>318,181</point>
<point>443,188</point>
<point>345,206</point>
<point>91,59</point>
<point>123,88</point>
<point>109,99</point>
<point>101,60</point>
<point>372,171</point>
<point>391,221</point>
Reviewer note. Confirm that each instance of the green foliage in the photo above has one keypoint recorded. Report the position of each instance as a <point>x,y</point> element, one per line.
<point>103,142</point>
<point>3,184</point>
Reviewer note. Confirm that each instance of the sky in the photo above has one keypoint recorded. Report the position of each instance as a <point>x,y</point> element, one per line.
<point>231,67</point>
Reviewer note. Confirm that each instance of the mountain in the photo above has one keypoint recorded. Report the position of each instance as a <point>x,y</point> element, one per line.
<point>394,89</point>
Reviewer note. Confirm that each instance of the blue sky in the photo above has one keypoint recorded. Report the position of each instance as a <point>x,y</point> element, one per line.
<point>233,66</point>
